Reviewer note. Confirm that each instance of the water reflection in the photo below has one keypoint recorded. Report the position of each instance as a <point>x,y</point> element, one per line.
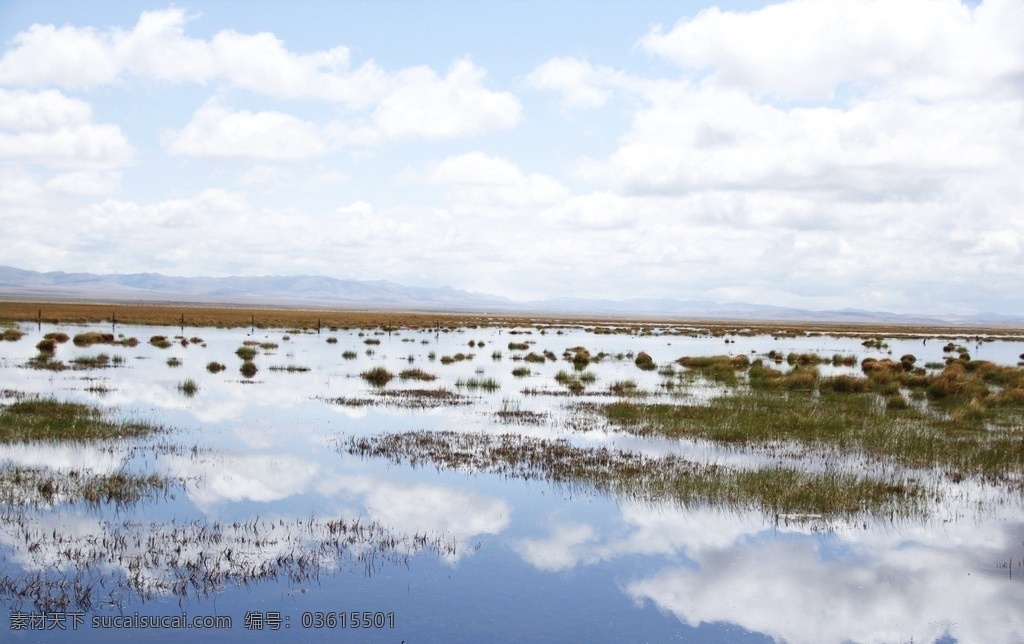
<point>263,498</point>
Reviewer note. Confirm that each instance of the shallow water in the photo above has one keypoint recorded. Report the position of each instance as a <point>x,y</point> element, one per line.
<point>268,519</point>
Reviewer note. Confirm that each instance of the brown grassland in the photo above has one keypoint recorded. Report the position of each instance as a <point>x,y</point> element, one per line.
<point>293,318</point>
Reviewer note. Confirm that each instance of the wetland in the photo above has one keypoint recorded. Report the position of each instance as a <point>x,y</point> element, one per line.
<point>511,478</point>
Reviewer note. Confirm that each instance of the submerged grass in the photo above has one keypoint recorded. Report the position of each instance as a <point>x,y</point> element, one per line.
<point>772,490</point>
<point>29,486</point>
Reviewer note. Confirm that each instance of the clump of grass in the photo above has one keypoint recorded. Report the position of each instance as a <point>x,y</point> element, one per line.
<point>292,368</point>
<point>578,356</point>
<point>248,368</point>
<point>487,384</point>
<point>844,384</point>
<point>160,342</point>
<point>45,361</point>
<point>332,340</point>
<point>720,368</point>
<point>518,346</point>
<point>571,381</point>
<point>625,388</point>
<point>839,360</point>
<point>762,377</point>
<point>371,341</point>
<point>90,338</point>
<point>350,355</point>
<point>458,357</point>
<point>32,419</point>
<point>378,376</point>
<point>416,374</point>
<point>535,358</point>
<point>805,359</point>
<point>47,345</point>
<point>215,367</point>
<point>173,362</point>
<point>11,334</point>
<point>645,361</point>
<point>246,352</point>
<point>189,387</point>
<point>521,372</point>
<point>91,362</point>
<point>57,336</point>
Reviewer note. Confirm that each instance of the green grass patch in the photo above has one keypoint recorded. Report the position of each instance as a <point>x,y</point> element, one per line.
<point>248,368</point>
<point>378,376</point>
<point>487,384</point>
<point>417,374</point>
<point>960,440</point>
<point>215,367</point>
<point>33,419</point>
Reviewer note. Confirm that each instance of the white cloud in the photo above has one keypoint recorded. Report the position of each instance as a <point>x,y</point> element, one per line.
<point>577,80</point>
<point>90,145</point>
<point>421,105</point>
<point>66,56</point>
<point>17,189</point>
<point>410,103</point>
<point>219,132</point>
<point>52,129</point>
<point>46,110</point>
<point>491,186</point>
<point>813,49</point>
<point>85,182</point>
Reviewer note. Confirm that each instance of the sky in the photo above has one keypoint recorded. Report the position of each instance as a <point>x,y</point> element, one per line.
<point>822,154</point>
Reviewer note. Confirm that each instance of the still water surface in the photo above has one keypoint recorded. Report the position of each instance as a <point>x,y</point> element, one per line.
<point>250,527</point>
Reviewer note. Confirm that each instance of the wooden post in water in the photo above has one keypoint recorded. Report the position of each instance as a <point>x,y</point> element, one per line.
<point>183,323</point>
<point>318,326</point>
<point>254,323</point>
<point>39,321</point>
<point>113,321</point>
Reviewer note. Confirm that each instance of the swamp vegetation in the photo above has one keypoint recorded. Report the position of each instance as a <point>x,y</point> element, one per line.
<point>558,445</point>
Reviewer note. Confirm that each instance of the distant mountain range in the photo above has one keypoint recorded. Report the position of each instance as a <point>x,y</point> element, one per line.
<point>327,292</point>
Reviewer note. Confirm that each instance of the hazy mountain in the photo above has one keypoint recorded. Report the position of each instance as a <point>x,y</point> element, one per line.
<point>312,290</point>
<point>285,290</point>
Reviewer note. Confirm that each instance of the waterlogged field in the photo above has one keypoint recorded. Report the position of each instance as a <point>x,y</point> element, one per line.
<point>514,482</point>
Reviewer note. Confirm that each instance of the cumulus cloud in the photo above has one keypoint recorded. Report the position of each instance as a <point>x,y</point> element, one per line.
<point>419,104</point>
<point>411,103</point>
<point>814,49</point>
<point>492,186</point>
<point>52,129</point>
<point>220,132</point>
<point>46,110</point>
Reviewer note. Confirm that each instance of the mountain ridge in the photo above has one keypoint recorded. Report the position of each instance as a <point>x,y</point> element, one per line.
<point>319,290</point>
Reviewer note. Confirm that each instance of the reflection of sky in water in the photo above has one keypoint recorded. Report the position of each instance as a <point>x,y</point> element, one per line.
<point>527,559</point>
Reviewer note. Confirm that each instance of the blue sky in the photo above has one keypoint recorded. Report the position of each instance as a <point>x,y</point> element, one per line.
<point>822,154</point>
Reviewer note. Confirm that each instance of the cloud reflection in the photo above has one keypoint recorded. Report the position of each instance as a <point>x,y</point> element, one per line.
<point>800,584</point>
